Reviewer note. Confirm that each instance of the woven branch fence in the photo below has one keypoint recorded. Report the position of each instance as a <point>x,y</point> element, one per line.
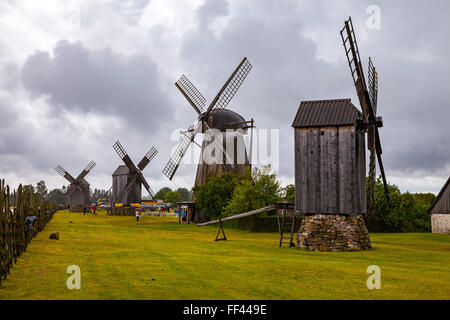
<point>15,234</point>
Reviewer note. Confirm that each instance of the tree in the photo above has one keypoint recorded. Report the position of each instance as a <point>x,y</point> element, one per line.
<point>29,188</point>
<point>213,196</point>
<point>172,197</point>
<point>409,212</point>
<point>262,190</point>
<point>185,194</point>
<point>289,193</point>
<point>41,190</point>
<point>161,194</point>
<point>57,196</point>
<point>100,194</point>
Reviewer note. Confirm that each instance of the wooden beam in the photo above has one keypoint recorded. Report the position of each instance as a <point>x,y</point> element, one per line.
<point>239,216</point>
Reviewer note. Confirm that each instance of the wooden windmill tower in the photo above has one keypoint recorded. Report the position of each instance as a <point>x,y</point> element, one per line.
<point>78,190</point>
<point>330,162</point>
<point>128,179</point>
<point>227,156</point>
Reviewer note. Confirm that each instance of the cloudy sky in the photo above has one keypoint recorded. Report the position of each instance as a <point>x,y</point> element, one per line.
<point>75,76</point>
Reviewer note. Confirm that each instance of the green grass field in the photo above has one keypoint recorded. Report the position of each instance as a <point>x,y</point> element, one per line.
<point>160,259</point>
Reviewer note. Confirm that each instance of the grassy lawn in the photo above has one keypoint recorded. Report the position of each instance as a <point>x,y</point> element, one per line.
<point>160,259</point>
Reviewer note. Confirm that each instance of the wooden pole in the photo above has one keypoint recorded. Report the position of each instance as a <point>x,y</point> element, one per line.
<point>239,216</point>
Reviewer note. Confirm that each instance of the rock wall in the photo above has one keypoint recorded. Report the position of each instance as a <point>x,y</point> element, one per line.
<point>440,223</point>
<point>123,211</point>
<point>322,232</point>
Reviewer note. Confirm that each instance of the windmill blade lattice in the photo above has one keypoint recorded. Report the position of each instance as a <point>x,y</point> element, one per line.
<point>65,174</point>
<point>373,86</point>
<point>176,158</point>
<point>147,158</point>
<point>230,87</point>
<point>86,170</point>
<point>192,95</point>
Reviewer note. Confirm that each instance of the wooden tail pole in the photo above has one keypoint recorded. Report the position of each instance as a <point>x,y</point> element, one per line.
<point>220,229</point>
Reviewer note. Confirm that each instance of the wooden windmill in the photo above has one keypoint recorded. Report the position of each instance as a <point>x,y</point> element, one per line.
<point>367,95</point>
<point>330,162</point>
<point>78,190</point>
<point>128,178</point>
<point>232,156</point>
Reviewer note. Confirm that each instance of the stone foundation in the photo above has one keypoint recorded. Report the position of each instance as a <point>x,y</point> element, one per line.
<point>322,232</point>
<point>123,211</point>
<point>440,223</point>
<point>76,209</point>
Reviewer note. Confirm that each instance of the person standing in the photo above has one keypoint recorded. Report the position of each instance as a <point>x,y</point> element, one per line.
<point>183,216</point>
<point>84,209</point>
<point>138,213</point>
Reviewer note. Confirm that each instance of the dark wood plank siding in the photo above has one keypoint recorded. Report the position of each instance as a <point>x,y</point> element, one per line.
<point>134,195</point>
<point>330,170</point>
<point>442,205</point>
<point>346,170</point>
<point>78,198</point>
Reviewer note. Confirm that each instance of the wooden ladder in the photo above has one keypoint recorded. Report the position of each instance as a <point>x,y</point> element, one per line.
<point>284,225</point>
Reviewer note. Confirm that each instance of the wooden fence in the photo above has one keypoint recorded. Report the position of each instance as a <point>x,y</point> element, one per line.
<point>15,234</point>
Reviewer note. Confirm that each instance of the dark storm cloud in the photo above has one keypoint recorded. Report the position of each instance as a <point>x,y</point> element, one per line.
<point>296,52</point>
<point>77,79</point>
<point>285,69</point>
<point>412,60</point>
<point>414,97</point>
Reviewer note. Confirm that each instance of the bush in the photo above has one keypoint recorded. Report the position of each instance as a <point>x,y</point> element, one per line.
<point>212,196</point>
<point>409,212</point>
<point>262,190</point>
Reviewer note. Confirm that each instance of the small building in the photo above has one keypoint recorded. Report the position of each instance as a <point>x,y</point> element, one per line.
<point>330,161</point>
<point>440,211</point>
<point>120,179</point>
<point>189,206</point>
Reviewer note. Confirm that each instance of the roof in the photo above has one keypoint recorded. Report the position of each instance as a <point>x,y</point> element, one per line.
<point>226,119</point>
<point>321,113</point>
<point>439,194</point>
<point>121,170</point>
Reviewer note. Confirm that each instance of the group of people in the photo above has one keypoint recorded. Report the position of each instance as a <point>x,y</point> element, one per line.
<point>183,214</point>
<point>93,208</point>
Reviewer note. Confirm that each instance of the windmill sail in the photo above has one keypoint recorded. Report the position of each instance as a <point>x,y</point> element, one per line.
<point>192,95</point>
<point>373,86</point>
<point>175,160</point>
<point>86,170</point>
<point>230,87</point>
<point>368,102</point>
<point>147,158</point>
<point>64,173</point>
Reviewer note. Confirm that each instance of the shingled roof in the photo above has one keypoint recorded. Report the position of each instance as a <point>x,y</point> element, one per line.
<point>321,113</point>
<point>121,170</point>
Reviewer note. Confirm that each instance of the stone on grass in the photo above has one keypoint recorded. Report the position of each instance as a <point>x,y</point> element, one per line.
<point>54,236</point>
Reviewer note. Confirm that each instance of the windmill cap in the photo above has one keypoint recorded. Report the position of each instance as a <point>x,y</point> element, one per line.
<point>321,113</point>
